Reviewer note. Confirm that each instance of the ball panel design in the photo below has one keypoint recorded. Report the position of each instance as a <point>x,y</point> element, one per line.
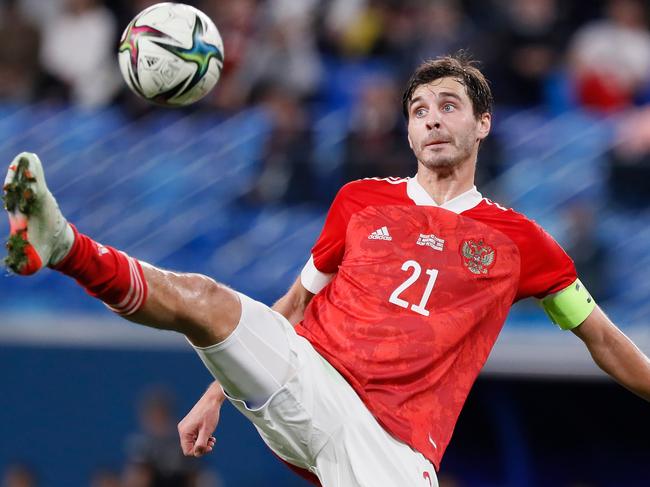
<point>171,54</point>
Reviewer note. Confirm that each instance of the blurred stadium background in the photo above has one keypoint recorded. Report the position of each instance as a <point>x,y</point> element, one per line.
<point>236,187</point>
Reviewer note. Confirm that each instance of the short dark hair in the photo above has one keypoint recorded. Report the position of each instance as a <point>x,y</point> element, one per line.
<point>460,66</point>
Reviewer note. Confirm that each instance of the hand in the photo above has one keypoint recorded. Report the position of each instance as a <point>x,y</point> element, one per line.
<point>196,428</point>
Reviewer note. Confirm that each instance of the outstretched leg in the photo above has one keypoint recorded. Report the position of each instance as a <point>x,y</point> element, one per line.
<point>192,304</point>
<point>248,348</point>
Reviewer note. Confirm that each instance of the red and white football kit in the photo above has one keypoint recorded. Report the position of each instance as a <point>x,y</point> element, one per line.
<point>417,297</point>
<point>410,298</point>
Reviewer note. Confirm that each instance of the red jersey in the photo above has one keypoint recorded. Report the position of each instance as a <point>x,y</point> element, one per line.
<point>411,297</point>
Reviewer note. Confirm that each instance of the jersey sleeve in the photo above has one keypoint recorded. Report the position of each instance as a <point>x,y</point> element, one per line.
<point>548,273</point>
<point>327,253</point>
<point>545,267</point>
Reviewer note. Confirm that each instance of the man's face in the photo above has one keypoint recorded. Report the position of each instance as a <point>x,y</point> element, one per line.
<point>442,129</point>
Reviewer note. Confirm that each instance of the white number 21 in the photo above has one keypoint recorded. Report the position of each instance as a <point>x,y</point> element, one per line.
<point>417,270</point>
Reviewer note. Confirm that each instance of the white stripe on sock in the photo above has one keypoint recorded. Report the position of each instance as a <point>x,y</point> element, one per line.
<point>134,298</point>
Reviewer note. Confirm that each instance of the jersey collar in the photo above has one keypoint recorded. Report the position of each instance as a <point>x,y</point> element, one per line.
<point>462,202</point>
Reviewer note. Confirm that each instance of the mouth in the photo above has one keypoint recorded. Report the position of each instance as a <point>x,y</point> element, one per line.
<point>436,143</point>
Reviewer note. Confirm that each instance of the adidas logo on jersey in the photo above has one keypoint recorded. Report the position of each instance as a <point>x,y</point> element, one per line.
<point>380,234</point>
<point>431,241</point>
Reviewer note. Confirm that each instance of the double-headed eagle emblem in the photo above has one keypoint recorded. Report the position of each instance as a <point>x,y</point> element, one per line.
<point>477,256</point>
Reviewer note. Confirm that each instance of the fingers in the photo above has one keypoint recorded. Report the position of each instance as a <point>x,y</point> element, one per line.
<point>193,448</point>
<point>199,451</point>
<point>204,441</point>
<point>187,444</point>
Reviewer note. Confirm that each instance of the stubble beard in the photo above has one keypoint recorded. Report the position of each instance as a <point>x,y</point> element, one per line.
<point>445,163</point>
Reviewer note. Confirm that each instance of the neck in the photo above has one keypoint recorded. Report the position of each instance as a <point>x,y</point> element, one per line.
<point>445,185</point>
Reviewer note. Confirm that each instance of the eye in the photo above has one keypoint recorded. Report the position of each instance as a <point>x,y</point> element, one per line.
<point>420,112</point>
<point>448,107</point>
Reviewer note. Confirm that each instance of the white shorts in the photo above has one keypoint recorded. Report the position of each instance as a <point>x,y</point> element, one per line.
<point>310,416</point>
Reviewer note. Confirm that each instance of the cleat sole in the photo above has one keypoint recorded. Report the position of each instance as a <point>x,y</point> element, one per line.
<point>20,202</point>
<point>21,258</point>
<point>18,196</point>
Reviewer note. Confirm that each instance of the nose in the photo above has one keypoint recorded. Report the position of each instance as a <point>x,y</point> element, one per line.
<point>433,120</point>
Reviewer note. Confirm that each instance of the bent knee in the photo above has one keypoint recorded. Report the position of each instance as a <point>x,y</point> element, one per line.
<point>215,309</point>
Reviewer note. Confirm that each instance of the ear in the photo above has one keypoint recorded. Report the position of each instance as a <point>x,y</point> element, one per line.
<point>408,136</point>
<point>484,125</point>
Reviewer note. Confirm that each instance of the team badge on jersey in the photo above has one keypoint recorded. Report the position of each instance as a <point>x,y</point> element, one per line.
<point>478,257</point>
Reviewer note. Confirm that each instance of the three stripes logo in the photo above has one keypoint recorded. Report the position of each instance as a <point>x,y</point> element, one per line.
<point>380,234</point>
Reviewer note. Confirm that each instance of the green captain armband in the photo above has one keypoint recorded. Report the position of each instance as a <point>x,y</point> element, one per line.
<point>569,307</point>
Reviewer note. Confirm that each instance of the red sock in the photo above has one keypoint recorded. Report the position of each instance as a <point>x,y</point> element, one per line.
<point>105,273</point>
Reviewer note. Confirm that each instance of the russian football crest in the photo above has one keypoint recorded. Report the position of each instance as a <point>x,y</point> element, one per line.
<point>478,256</point>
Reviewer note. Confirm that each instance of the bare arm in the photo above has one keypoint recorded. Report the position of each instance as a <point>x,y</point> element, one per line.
<point>196,428</point>
<point>615,353</point>
<point>293,304</point>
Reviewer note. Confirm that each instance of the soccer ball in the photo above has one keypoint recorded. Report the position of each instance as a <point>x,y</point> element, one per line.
<point>171,54</point>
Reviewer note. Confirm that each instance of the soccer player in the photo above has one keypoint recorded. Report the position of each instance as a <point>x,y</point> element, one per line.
<point>360,372</point>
